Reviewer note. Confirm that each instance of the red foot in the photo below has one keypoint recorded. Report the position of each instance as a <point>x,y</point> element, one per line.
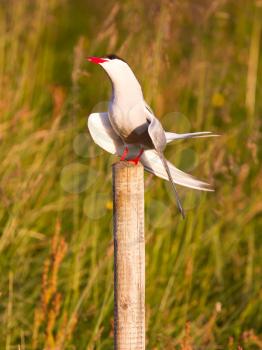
<point>137,158</point>
<point>125,153</point>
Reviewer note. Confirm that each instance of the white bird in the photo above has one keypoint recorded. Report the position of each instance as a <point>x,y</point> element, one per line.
<point>130,126</point>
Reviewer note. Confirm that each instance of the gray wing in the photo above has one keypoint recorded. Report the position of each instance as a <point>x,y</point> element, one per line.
<point>158,137</point>
<point>155,131</point>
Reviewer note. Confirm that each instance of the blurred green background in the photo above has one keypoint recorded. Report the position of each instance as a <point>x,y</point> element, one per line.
<point>199,63</point>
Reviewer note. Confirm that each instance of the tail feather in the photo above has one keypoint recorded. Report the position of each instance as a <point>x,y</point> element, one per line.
<point>163,159</point>
<point>171,136</point>
<point>153,164</point>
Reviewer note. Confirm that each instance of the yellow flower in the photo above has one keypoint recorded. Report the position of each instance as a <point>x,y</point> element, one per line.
<point>218,100</point>
<point>109,205</point>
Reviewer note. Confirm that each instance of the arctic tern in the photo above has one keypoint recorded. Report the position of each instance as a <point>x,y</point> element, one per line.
<point>131,124</point>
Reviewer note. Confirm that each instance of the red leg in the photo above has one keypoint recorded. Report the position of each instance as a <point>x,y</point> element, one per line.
<point>125,153</point>
<point>137,158</point>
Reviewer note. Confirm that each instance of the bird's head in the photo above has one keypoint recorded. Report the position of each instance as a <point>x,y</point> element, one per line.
<point>118,71</point>
<point>115,66</point>
<point>111,63</point>
<point>112,58</point>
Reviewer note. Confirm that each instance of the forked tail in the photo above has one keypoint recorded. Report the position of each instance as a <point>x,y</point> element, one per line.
<point>163,159</point>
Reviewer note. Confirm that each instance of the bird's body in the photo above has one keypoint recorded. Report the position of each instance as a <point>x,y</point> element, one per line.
<point>129,115</point>
<point>129,122</point>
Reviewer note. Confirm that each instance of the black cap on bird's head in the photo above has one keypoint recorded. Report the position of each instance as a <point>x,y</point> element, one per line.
<point>114,57</point>
<point>104,59</point>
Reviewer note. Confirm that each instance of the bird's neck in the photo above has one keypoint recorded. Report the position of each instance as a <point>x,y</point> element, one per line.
<point>125,86</point>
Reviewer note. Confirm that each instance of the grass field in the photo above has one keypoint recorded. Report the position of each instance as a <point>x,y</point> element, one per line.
<point>199,64</point>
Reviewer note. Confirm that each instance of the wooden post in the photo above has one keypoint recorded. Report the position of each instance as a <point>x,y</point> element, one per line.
<point>129,257</point>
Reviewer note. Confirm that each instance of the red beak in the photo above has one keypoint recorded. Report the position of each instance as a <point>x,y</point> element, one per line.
<point>96,60</point>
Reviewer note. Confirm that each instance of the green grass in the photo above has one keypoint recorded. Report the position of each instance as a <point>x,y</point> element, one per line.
<point>200,67</point>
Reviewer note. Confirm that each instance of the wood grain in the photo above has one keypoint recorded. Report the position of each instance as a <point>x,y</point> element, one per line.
<point>129,256</point>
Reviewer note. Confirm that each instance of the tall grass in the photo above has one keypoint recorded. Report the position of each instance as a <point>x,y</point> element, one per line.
<point>200,68</point>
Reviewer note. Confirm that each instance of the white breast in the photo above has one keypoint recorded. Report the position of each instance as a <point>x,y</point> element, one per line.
<point>125,118</point>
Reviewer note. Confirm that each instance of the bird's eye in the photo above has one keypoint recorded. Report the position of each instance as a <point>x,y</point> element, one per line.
<point>112,56</point>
